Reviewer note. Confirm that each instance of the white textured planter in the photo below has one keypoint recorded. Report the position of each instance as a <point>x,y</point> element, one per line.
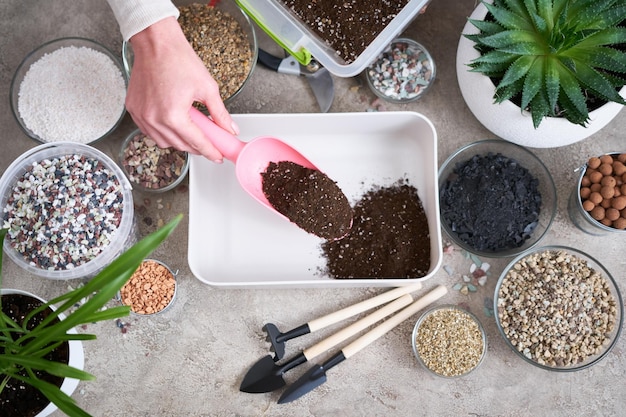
<point>505,119</point>
<point>77,357</point>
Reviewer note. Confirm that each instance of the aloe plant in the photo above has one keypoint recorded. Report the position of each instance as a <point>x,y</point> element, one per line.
<point>553,56</point>
<point>22,351</point>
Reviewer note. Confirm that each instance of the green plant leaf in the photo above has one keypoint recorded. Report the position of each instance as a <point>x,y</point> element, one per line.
<point>539,109</point>
<point>572,90</point>
<point>595,81</point>
<point>533,81</point>
<point>507,18</point>
<point>610,36</point>
<point>485,27</point>
<point>52,367</point>
<point>551,82</point>
<point>64,402</point>
<point>517,70</point>
<point>508,38</point>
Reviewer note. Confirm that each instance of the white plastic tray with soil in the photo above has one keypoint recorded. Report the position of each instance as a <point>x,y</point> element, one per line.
<point>236,243</point>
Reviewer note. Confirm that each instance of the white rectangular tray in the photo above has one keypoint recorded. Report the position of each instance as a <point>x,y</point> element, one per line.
<point>235,242</point>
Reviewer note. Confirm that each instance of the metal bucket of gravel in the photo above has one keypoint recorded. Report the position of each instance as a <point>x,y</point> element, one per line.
<point>68,209</point>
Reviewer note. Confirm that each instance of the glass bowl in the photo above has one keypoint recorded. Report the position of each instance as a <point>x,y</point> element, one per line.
<point>81,103</point>
<point>161,292</point>
<point>231,8</point>
<point>402,73</point>
<point>492,211</point>
<point>150,168</point>
<point>449,341</point>
<point>558,308</point>
<point>68,208</point>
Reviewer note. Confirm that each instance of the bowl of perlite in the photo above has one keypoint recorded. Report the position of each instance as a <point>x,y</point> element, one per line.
<point>223,37</point>
<point>558,308</point>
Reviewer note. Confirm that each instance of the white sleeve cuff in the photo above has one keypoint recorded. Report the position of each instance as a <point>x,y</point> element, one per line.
<point>133,16</point>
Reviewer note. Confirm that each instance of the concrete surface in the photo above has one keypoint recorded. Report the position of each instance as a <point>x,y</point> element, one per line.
<point>190,360</point>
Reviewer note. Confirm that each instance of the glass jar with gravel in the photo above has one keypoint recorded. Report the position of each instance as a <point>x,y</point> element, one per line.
<point>68,208</point>
<point>223,37</point>
<point>449,341</point>
<point>558,308</point>
<point>150,168</point>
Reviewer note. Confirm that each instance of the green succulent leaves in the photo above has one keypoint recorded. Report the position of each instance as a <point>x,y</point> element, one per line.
<point>553,56</point>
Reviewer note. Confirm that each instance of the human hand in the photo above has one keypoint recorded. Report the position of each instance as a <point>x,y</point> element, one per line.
<point>167,77</point>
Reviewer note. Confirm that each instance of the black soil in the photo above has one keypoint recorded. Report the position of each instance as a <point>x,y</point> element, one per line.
<point>309,198</point>
<point>491,202</point>
<point>347,26</point>
<point>389,237</point>
<point>18,399</point>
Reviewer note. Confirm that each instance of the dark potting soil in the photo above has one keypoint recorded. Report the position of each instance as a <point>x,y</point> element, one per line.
<point>389,237</point>
<point>347,26</point>
<point>18,399</point>
<point>307,197</point>
<point>491,202</point>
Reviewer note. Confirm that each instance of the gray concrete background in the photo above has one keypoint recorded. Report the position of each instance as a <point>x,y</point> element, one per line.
<point>190,360</point>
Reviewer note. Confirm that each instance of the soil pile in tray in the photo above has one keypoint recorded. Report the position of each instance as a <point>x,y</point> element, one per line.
<point>347,26</point>
<point>307,197</point>
<point>389,237</point>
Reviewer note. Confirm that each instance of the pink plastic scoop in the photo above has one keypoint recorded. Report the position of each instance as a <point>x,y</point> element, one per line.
<point>252,158</point>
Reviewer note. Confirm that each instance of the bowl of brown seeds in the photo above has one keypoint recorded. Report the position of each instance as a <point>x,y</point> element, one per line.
<point>449,341</point>
<point>223,37</point>
<point>558,308</point>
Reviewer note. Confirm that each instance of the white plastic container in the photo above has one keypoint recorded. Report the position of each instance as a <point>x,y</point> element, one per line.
<point>293,35</point>
<point>122,236</point>
<point>234,242</point>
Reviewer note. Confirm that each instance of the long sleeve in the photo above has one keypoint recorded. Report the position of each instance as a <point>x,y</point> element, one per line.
<point>133,16</point>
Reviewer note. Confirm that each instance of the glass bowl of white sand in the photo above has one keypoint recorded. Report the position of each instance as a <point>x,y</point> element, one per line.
<point>69,90</point>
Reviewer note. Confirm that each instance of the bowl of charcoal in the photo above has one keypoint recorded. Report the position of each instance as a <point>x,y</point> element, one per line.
<point>497,199</point>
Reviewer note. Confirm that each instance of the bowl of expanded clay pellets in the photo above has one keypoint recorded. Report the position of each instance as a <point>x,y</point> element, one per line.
<point>69,90</point>
<point>149,167</point>
<point>597,204</point>
<point>496,198</point>
<point>402,73</point>
<point>68,209</point>
<point>151,289</point>
<point>449,341</point>
<point>223,37</point>
<point>558,308</point>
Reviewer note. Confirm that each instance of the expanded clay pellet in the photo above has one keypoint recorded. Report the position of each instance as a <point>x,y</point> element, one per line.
<point>150,289</point>
<point>73,94</point>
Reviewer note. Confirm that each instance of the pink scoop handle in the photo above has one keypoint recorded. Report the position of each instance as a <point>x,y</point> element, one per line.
<point>225,142</point>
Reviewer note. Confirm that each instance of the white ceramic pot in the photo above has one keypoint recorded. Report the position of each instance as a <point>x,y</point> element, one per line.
<point>77,357</point>
<point>505,119</point>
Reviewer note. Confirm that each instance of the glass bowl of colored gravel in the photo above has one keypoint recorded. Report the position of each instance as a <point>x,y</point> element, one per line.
<point>449,341</point>
<point>402,73</point>
<point>68,209</point>
<point>150,168</point>
<point>496,198</point>
<point>558,308</point>
<point>69,90</point>
<point>222,36</point>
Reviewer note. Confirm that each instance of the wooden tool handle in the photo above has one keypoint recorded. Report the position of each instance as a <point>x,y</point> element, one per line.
<point>392,322</point>
<point>357,308</point>
<point>356,327</point>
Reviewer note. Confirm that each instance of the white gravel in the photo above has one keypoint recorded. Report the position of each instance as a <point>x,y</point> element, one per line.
<point>73,94</point>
